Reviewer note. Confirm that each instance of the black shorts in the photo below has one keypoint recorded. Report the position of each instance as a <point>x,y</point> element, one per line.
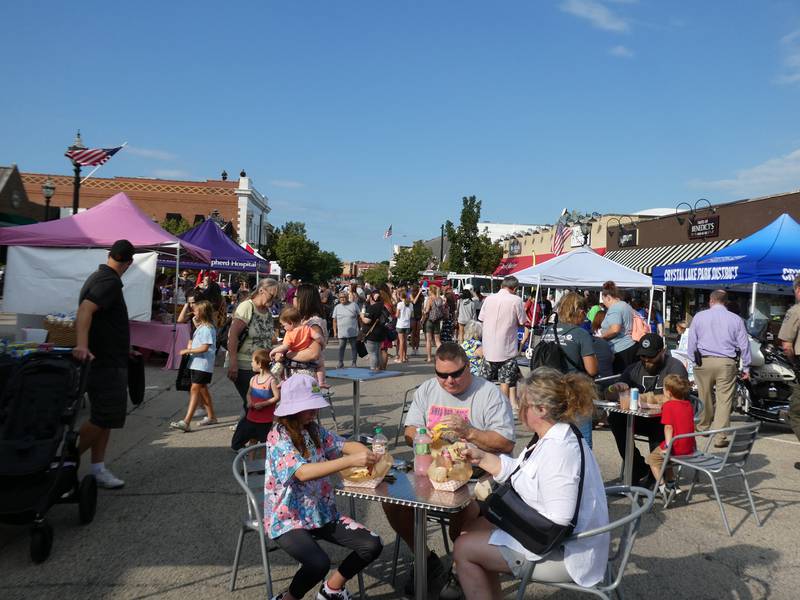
<point>108,395</point>
<point>503,372</point>
<point>200,376</point>
<point>249,430</point>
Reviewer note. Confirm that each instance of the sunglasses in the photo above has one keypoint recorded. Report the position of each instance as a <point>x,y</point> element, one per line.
<point>454,374</point>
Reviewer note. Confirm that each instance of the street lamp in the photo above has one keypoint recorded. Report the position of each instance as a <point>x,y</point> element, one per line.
<point>584,221</point>
<point>692,210</point>
<point>48,190</point>
<point>76,186</point>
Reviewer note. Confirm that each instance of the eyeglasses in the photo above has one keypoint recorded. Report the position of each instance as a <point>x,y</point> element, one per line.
<point>454,374</point>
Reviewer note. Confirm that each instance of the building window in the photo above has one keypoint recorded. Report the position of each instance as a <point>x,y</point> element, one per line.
<point>174,216</point>
<point>199,219</point>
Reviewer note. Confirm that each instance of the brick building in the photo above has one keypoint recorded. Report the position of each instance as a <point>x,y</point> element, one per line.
<point>236,201</point>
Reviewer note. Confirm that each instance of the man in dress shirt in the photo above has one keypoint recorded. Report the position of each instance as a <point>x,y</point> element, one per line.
<point>502,314</point>
<point>717,338</point>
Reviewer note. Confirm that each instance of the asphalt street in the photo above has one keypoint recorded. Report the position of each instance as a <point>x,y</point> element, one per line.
<point>170,533</point>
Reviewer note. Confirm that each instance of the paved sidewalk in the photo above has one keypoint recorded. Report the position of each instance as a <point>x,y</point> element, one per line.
<point>170,533</point>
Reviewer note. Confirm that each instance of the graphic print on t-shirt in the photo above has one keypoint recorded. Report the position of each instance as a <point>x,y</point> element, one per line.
<point>437,412</point>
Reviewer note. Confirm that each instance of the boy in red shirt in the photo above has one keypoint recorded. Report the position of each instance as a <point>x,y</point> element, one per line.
<point>677,416</point>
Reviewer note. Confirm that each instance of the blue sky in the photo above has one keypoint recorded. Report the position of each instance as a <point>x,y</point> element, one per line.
<point>353,115</point>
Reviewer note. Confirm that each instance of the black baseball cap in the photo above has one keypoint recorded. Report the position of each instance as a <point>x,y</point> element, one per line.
<point>650,345</point>
<point>122,251</point>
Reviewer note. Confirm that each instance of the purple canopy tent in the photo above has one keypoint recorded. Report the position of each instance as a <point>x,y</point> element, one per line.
<point>226,255</point>
<point>99,227</point>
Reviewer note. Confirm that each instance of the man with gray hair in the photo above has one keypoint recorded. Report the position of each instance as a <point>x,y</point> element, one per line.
<point>789,335</point>
<point>502,314</point>
<point>716,338</point>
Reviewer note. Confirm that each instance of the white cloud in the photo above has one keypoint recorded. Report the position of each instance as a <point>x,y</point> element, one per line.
<point>287,183</point>
<point>172,174</point>
<point>621,52</point>
<point>599,15</point>
<point>772,176</point>
<point>790,45</point>
<point>150,153</point>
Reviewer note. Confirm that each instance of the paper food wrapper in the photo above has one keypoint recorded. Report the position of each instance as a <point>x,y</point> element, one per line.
<point>363,477</point>
<point>448,475</point>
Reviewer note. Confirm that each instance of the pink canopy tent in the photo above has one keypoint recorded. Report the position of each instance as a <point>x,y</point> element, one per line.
<point>99,227</point>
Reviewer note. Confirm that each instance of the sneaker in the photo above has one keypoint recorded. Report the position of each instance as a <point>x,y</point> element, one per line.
<point>435,572</point>
<point>200,412</point>
<point>353,365</point>
<point>208,421</point>
<point>324,594</point>
<point>105,479</point>
<point>278,596</point>
<point>340,366</point>
<point>721,444</point>
<point>452,589</point>
<point>182,425</point>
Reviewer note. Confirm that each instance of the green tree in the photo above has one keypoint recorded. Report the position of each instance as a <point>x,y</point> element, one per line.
<point>471,251</point>
<point>327,266</point>
<point>175,226</point>
<point>410,261</point>
<point>377,275</point>
<point>297,255</point>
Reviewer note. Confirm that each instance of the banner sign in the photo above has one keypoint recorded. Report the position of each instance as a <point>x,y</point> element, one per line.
<point>707,227</point>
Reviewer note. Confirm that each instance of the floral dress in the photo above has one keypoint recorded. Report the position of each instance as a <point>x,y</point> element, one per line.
<point>293,504</point>
<point>471,348</point>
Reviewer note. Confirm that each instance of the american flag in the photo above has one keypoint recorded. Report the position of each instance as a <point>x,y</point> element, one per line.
<point>388,233</point>
<point>560,237</point>
<point>91,157</point>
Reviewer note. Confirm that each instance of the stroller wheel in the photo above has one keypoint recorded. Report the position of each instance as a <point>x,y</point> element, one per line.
<point>41,541</point>
<point>87,499</point>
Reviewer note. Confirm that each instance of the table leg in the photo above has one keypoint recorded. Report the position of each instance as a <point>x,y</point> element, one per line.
<point>356,407</point>
<point>628,470</point>
<point>420,560</point>
<point>360,575</point>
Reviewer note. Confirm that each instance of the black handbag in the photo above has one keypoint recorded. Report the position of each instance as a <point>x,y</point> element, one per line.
<point>183,382</point>
<point>507,510</point>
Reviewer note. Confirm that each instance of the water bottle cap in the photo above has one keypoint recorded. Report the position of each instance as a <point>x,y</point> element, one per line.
<point>422,430</point>
<point>378,430</point>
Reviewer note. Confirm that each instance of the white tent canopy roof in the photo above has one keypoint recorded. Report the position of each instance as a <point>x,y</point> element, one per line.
<point>583,267</point>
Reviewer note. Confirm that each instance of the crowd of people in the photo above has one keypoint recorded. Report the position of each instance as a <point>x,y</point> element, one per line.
<point>473,342</point>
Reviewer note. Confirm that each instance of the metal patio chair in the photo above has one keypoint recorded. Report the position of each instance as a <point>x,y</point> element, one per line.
<point>248,471</point>
<point>403,413</point>
<point>641,500</point>
<point>728,462</point>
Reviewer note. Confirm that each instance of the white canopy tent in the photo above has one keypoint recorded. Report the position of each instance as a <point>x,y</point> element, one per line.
<point>583,268</point>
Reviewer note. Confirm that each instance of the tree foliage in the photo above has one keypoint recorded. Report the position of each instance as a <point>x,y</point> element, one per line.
<point>470,251</point>
<point>410,261</point>
<point>377,275</point>
<point>176,226</point>
<point>300,256</point>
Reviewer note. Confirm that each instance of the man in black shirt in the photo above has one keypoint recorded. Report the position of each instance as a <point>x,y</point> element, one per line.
<point>104,338</point>
<point>648,376</point>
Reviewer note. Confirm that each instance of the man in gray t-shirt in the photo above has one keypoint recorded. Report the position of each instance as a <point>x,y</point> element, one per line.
<point>471,407</point>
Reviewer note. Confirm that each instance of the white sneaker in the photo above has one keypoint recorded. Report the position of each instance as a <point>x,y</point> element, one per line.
<point>200,412</point>
<point>105,479</point>
<point>342,594</point>
<point>182,425</point>
<point>208,421</point>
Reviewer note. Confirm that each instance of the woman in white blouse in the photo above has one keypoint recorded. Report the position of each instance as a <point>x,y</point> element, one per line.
<point>547,481</point>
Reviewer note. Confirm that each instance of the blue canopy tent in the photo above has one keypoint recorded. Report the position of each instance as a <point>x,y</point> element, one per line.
<point>769,258</point>
<point>226,255</point>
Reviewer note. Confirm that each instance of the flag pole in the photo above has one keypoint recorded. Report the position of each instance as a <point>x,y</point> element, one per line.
<point>98,166</point>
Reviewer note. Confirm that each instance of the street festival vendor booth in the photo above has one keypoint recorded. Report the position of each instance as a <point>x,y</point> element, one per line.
<point>48,263</point>
<point>765,262</point>
<point>582,268</point>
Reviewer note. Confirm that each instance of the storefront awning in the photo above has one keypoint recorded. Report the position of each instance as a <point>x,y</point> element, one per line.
<point>644,259</point>
<point>512,264</point>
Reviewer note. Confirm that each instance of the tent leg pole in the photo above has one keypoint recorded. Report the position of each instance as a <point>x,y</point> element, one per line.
<point>664,310</point>
<point>753,302</point>
<point>175,303</point>
<point>650,307</point>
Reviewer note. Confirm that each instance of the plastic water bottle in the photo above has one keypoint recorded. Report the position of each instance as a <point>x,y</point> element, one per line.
<point>634,399</point>
<point>379,442</point>
<point>422,452</point>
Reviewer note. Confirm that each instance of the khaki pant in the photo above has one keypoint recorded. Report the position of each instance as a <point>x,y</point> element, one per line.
<point>716,384</point>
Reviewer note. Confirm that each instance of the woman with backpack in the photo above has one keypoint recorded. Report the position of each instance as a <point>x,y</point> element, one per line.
<point>432,314</point>
<point>466,312</point>
<point>577,349</point>
<point>617,326</point>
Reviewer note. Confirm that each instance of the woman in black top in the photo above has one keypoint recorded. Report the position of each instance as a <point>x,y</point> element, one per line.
<point>418,300</point>
<point>374,329</point>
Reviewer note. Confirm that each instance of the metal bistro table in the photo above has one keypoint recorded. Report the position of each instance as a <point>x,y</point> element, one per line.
<point>357,375</point>
<point>645,413</point>
<point>414,491</point>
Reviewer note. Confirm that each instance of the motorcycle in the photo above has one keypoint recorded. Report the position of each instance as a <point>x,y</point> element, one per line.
<point>767,394</point>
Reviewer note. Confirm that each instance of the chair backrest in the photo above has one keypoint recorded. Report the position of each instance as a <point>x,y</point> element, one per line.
<point>248,471</point>
<point>641,500</point>
<point>741,443</point>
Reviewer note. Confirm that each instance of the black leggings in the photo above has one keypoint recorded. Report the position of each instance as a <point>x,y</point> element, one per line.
<point>301,544</point>
<point>624,358</point>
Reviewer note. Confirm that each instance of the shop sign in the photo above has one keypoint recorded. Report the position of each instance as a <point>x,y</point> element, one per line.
<point>514,247</point>
<point>627,237</point>
<point>706,227</point>
<point>576,241</point>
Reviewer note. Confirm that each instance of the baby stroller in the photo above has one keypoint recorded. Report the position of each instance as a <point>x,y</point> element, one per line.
<point>39,456</point>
